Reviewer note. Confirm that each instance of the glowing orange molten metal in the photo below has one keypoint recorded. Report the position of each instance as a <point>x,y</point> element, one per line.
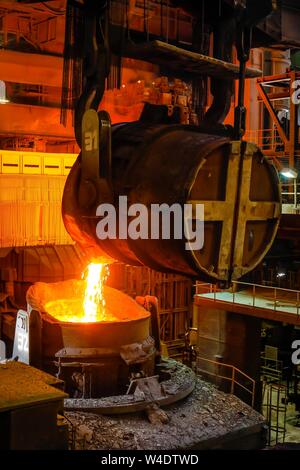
<point>94,302</point>
<point>79,301</point>
<point>82,301</point>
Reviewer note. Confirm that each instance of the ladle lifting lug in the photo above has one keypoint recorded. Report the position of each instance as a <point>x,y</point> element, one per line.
<point>95,179</point>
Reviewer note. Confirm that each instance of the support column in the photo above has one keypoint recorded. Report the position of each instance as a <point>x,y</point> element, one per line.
<point>233,339</point>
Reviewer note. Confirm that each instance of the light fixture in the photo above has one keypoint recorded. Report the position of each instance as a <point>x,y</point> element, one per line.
<point>3,98</point>
<point>281,274</point>
<point>290,173</point>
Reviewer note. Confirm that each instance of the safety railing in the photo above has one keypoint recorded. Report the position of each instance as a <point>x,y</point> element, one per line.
<point>291,194</point>
<point>254,295</point>
<point>220,371</point>
<point>274,408</point>
<point>270,142</point>
<point>207,288</point>
<point>272,276</point>
<point>271,369</point>
<point>265,139</point>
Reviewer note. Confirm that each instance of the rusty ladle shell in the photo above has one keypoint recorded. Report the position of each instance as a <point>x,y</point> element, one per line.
<point>178,164</point>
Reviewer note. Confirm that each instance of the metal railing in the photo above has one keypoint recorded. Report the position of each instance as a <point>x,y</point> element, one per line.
<point>206,288</point>
<point>291,194</point>
<point>271,369</point>
<point>270,142</point>
<point>255,295</point>
<point>235,376</point>
<point>266,139</point>
<point>268,276</point>
<point>274,409</point>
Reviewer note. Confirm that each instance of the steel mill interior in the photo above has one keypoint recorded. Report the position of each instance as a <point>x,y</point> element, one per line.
<point>150,225</point>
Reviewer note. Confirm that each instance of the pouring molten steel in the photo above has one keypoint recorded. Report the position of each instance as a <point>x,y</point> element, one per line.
<point>87,300</point>
<point>94,301</point>
<point>78,301</point>
<point>87,305</point>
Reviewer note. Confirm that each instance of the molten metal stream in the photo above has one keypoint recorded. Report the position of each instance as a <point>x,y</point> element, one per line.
<point>94,302</point>
<point>88,304</point>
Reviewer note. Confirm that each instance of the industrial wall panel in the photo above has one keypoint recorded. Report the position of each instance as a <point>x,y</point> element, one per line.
<point>30,207</point>
<point>68,163</point>
<point>36,163</point>
<point>52,164</point>
<point>10,162</point>
<point>32,163</point>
